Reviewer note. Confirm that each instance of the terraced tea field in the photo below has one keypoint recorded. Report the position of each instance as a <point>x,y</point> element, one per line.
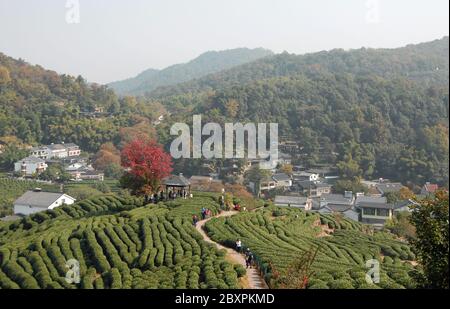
<point>279,236</point>
<point>119,243</point>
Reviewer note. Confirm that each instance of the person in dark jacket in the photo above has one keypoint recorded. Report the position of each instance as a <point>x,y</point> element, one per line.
<point>249,258</point>
<point>195,220</point>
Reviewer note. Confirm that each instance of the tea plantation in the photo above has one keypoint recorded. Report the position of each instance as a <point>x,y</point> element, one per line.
<point>278,236</point>
<point>119,243</point>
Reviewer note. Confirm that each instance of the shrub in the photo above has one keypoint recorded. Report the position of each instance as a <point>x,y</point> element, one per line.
<point>317,285</point>
<point>341,284</point>
<point>240,270</point>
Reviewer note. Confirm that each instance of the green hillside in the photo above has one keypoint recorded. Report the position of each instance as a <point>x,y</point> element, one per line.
<point>277,237</point>
<point>427,63</point>
<point>118,242</point>
<point>39,106</point>
<point>363,108</point>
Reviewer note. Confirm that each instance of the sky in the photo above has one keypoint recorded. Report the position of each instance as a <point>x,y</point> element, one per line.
<point>109,40</point>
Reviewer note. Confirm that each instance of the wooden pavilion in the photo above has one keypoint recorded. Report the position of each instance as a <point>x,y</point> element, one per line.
<point>176,184</point>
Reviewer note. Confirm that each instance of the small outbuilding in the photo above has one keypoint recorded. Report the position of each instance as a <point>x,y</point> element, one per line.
<point>38,201</point>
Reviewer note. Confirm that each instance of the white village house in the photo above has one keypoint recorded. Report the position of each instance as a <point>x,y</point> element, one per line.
<point>37,201</point>
<point>29,166</point>
<point>301,176</point>
<point>56,151</point>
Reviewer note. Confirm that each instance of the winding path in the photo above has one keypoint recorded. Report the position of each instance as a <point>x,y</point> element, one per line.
<point>252,279</point>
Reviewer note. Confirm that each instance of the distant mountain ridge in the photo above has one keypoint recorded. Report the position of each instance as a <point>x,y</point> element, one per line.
<point>207,63</point>
<point>425,62</point>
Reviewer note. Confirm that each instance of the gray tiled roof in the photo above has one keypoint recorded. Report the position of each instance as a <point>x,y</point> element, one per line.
<point>294,200</point>
<point>281,177</point>
<point>339,207</point>
<point>179,181</point>
<point>375,205</point>
<point>32,160</point>
<point>389,187</point>
<point>200,178</point>
<point>371,200</point>
<point>336,199</point>
<point>306,183</point>
<point>38,199</point>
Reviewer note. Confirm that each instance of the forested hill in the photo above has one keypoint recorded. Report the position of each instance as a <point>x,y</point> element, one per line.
<point>41,106</point>
<point>425,62</point>
<point>391,128</point>
<point>207,63</point>
<point>361,110</point>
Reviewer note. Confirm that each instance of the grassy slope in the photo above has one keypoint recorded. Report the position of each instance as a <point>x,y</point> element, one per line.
<point>119,244</point>
<point>340,263</point>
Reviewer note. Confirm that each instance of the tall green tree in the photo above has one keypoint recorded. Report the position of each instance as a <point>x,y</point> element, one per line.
<point>10,155</point>
<point>256,175</point>
<point>432,243</point>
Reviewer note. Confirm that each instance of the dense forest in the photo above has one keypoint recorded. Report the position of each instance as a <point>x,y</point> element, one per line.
<point>374,113</point>
<point>40,106</point>
<point>207,63</point>
<point>425,62</point>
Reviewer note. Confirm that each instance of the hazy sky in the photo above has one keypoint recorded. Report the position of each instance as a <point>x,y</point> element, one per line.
<point>116,39</point>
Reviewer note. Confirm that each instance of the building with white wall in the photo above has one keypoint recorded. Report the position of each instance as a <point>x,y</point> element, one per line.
<point>30,166</point>
<point>37,201</point>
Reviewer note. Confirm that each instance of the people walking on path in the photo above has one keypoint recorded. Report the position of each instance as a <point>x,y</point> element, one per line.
<point>203,213</point>
<point>253,280</point>
<point>248,258</point>
<point>195,220</point>
<point>239,245</point>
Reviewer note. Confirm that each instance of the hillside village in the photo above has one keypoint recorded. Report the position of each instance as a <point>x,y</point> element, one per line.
<point>69,155</point>
<point>288,185</point>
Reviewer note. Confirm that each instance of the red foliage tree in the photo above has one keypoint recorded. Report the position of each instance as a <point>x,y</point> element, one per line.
<point>147,165</point>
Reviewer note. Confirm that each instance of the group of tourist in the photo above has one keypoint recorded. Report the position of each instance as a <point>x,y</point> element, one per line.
<point>172,195</point>
<point>206,213</point>
<point>249,258</point>
<point>248,254</point>
<point>176,194</point>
